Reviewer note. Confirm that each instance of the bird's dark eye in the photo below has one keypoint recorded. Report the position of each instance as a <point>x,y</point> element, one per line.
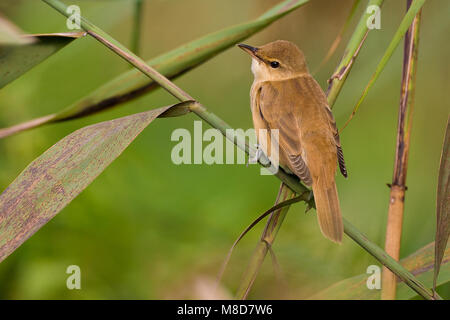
<point>274,64</point>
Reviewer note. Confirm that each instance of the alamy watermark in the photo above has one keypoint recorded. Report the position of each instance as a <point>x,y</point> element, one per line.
<point>190,148</point>
<point>374,20</point>
<point>74,280</point>
<point>74,20</point>
<point>374,280</point>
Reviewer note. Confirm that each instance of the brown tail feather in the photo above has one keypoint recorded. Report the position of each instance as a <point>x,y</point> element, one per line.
<point>328,209</point>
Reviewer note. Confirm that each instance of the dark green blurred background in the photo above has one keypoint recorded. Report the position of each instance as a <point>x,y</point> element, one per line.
<point>148,229</point>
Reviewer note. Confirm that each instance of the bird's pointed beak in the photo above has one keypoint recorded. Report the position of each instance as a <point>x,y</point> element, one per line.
<point>249,49</point>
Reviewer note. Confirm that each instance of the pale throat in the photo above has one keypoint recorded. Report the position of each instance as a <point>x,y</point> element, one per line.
<point>260,71</point>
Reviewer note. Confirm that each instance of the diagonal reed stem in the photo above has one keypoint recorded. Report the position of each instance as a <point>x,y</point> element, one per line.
<point>398,186</point>
<point>216,122</point>
<point>407,20</point>
<point>350,53</point>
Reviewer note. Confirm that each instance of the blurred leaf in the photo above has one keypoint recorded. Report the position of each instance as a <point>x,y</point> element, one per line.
<point>54,179</point>
<point>16,60</point>
<point>133,84</point>
<point>404,26</point>
<point>419,263</point>
<point>443,204</point>
<point>10,34</point>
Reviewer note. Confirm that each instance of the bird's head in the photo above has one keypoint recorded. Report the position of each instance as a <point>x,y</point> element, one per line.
<point>276,60</point>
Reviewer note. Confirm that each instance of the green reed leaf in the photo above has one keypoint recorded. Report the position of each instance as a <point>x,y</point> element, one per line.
<point>399,34</point>
<point>443,205</point>
<point>15,60</point>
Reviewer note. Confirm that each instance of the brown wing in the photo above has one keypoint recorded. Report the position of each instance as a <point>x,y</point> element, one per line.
<point>272,95</point>
<point>298,108</point>
<point>323,101</point>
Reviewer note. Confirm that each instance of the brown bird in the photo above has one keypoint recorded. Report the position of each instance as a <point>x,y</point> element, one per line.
<point>286,97</point>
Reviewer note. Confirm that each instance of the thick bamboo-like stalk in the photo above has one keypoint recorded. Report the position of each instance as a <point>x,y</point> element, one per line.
<point>398,186</point>
<point>219,124</point>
